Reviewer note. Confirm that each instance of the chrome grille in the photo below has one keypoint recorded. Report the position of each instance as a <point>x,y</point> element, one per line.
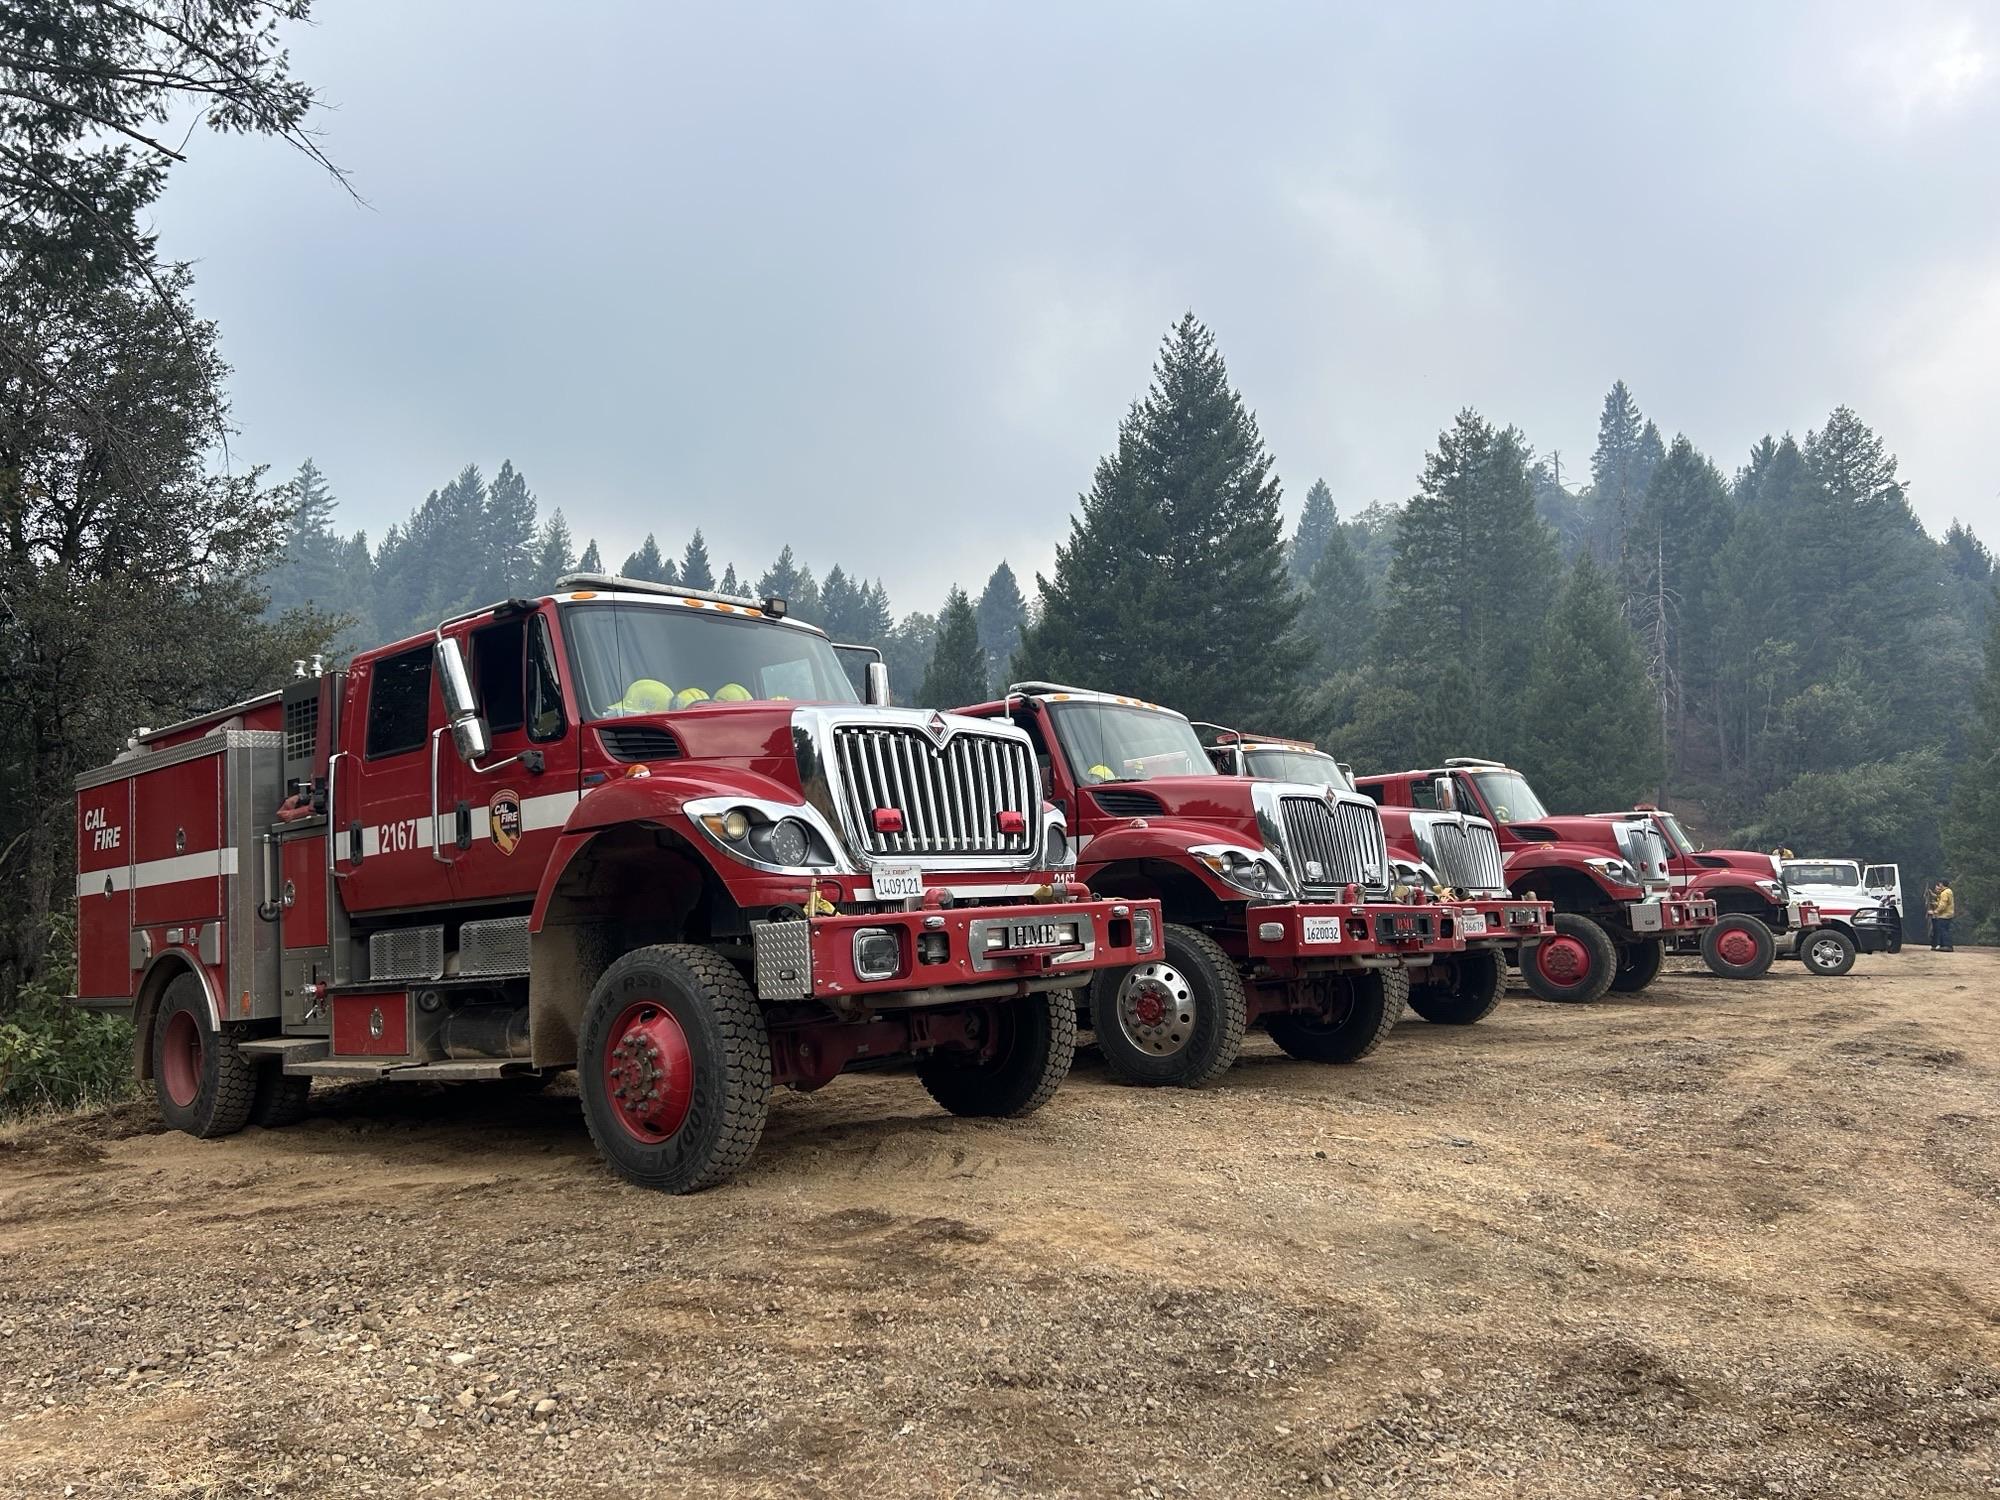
<point>1646,849</point>
<point>1331,844</point>
<point>950,799</point>
<point>1467,856</point>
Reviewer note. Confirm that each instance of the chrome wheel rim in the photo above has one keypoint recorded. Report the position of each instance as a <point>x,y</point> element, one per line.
<point>1156,1009</point>
<point>1826,954</point>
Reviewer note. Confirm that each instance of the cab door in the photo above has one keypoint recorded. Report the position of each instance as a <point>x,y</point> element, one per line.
<point>1884,880</point>
<point>504,814</point>
<point>384,784</point>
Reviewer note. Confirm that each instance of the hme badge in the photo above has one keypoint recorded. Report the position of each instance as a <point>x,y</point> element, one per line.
<point>503,816</point>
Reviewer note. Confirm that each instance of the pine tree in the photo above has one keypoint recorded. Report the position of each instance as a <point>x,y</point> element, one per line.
<point>1618,468</point>
<point>1592,728</point>
<point>782,579</point>
<point>1002,615</point>
<point>1473,567</point>
<point>873,624</point>
<point>1672,538</point>
<point>956,676</point>
<point>312,568</point>
<point>695,570</point>
<point>1172,585</point>
<point>729,584</point>
<point>806,604</point>
<point>1318,519</point>
<point>907,652</point>
<point>839,605</point>
<point>554,554</point>
<point>592,560</point>
<point>1337,615</point>
<point>647,563</point>
<point>1972,854</point>
<point>509,543</point>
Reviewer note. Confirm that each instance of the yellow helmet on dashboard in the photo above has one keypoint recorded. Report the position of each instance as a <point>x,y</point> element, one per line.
<point>646,695</point>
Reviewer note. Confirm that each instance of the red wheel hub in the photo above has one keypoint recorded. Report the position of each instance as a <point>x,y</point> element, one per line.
<point>180,1058</point>
<point>1736,946</point>
<point>1149,1006</point>
<point>1563,959</point>
<point>648,1072</point>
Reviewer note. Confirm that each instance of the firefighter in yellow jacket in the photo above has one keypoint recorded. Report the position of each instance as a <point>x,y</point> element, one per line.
<point>1943,907</point>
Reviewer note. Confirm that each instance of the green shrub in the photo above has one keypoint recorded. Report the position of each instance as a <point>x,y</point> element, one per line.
<point>54,1056</point>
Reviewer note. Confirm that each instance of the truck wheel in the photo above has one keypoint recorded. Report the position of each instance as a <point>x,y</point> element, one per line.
<point>204,1084</point>
<point>280,1100</point>
<point>1031,1059</point>
<point>1477,978</point>
<point>674,1066</point>
<point>1638,965</point>
<point>1576,965</point>
<point>1375,1002</point>
<point>1176,1020</point>
<point>1827,952</point>
<point>1738,947</point>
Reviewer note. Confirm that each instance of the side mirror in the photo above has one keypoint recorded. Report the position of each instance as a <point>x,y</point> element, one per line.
<point>461,710</point>
<point>1441,790</point>
<point>878,684</point>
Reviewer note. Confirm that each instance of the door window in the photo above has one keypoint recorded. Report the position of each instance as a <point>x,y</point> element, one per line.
<point>399,703</point>
<point>546,719</point>
<point>496,671</point>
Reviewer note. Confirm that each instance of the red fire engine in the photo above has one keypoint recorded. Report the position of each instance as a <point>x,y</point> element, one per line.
<point>1609,881</point>
<point>1454,855</point>
<point>647,832</point>
<point>1276,895</point>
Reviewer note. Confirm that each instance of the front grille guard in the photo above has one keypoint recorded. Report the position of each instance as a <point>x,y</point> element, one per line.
<point>1268,798</point>
<point>1464,851</point>
<point>815,751</point>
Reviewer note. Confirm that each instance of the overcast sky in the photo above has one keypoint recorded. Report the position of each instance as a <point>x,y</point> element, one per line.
<point>881,280</point>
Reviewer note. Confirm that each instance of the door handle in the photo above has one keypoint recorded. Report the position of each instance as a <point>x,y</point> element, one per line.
<point>333,869</point>
<point>437,843</point>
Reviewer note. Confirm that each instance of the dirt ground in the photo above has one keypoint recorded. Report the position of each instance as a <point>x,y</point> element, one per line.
<point>1716,1239</point>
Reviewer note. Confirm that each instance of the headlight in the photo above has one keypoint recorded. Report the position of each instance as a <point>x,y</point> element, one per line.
<point>877,954</point>
<point>1057,851</point>
<point>752,833</point>
<point>785,842</point>
<point>1775,889</point>
<point>1245,870</point>
<point>1616,871</point>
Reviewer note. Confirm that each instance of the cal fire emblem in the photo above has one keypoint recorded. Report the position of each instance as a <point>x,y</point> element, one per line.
<point>503,816</point>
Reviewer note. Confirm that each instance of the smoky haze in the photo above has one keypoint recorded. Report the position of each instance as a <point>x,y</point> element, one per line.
<point>880,281</point>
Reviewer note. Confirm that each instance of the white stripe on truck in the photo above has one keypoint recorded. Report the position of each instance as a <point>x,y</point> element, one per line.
<point>211,864</point>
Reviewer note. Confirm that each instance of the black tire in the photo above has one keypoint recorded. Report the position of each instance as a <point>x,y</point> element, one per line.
<point>1738,947</point>
<point>1376,999</point>
<point>1477,980</point>
<point>1638,965</point>
<point>1826,951</point>
<point>1575,966</point>
<point>712,1116</point>
<point>204,1085</point>
<point>280,1100</point>
<point>1178,1020</point>
<point>1036,1044</point>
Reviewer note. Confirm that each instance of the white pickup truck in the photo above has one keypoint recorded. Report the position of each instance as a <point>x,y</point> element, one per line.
<point>1864,902</point>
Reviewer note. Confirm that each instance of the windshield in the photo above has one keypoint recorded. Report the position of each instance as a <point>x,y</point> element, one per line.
<point>1676,835</point>
<point>1510,796</point>
<point>1822,872</point>
<point>1307,766</point>
<point>1110,742</point>
<point>651,658</point>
